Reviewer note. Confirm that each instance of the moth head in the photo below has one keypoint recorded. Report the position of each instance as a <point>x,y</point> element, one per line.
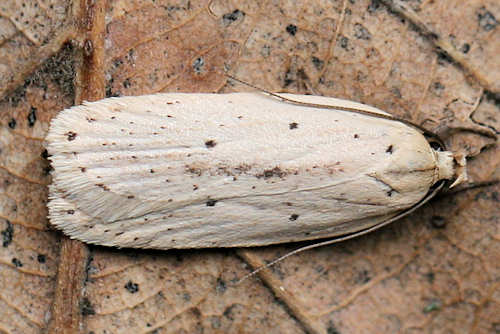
<point>450,166</point>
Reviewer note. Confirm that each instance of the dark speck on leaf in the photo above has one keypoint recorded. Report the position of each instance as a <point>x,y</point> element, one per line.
<point>294,217</point>
<point>361,32</point>
<point>465,48</point>
<point>86,307</point>
<point>318,63</point>
<point>32,117</point>
<point>132,287</point>
<point>127,83</point>
<point>12,123</point>
<point>486,19</point>
<point>229,18</point>
<point>291,29</point>
<point>221,286</point>
<point>373,6</point>
<point>438,222</point>
<point>17,262</point>
<point>344,41</point>
<point>198,65</point>
<point>7,234</point>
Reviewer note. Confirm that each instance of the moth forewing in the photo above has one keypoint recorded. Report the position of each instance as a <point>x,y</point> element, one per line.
<point>225,170</point>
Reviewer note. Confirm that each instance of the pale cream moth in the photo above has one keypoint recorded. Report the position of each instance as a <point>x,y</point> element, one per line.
<point>225,170</point>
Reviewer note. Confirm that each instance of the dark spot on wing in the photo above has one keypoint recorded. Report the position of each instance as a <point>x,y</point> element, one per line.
<point>101,185</point>
<point>71,135</point>
<point>210,143</point>
<point>211,202</point>
<point>268,173</point>
<point>293,125</point>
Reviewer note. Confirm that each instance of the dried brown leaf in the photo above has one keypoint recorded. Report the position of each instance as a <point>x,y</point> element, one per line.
<point>435,271</point>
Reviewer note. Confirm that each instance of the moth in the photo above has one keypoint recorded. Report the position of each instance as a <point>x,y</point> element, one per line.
<point>236,170</point>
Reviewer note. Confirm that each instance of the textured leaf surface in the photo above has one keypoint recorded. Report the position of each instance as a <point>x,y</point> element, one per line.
<point>435,271</point>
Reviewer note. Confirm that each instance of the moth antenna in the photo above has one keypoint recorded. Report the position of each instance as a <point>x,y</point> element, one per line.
<point>427,198</point>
